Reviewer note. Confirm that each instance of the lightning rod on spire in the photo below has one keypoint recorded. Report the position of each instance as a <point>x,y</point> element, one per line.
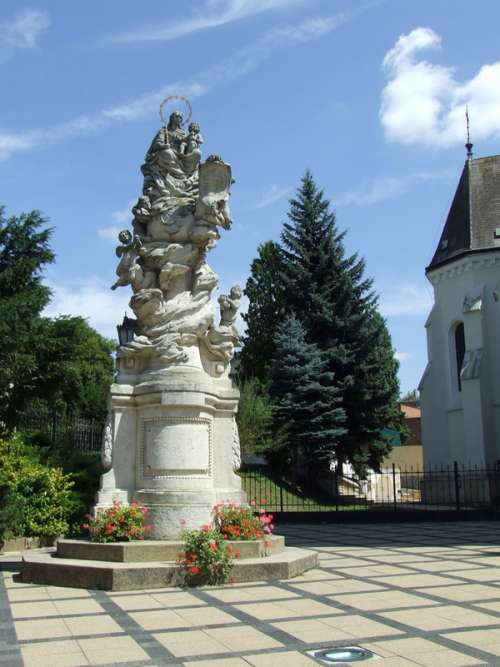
<point>468,145</point>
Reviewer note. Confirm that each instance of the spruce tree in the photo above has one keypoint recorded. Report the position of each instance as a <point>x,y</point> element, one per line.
<point>329,293</point>
<point>305,399</point>
<point>265,292</point>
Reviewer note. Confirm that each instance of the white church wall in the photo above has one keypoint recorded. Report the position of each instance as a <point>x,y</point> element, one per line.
<point>463,425</point>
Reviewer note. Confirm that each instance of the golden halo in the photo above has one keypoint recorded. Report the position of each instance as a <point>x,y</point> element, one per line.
<point>176,97</point>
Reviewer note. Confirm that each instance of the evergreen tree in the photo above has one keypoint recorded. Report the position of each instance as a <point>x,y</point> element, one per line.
<point>266,296</point>
<point>373,399</point>
<point>24,251</point>
<point>330,294</point>
<point>305,399</point>
<point>254,418</point>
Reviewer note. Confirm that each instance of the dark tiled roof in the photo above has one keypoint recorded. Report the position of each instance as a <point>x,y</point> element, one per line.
<point>474,214</point>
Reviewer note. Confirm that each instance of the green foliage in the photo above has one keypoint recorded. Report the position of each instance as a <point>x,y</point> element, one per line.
<point>62,365</point>
<point>84,469</point>
<point>46,491</point>
<point>12,510</point>
<point>24,251</point>
<point>329,294</point>
<point>305,398</point>
<point>75,368</point>
<point>412,395</point>
<point>266,296</point>
<point>254,417</point>
<point>206,559</point>
<point>119,523</point>
<point>380,389</point>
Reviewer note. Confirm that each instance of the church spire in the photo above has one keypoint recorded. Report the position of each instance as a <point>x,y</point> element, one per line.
<point>468,145</point>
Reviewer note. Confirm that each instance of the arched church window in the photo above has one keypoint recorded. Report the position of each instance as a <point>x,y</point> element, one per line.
<point>459,350</point>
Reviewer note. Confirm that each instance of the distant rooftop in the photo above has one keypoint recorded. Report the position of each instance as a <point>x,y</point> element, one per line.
<point>473,223</point>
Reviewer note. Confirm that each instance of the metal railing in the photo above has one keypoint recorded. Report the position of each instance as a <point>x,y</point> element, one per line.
<point>457,488</point>
<point>79,433</point>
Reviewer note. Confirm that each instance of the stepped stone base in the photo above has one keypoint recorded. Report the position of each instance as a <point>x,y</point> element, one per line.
<point>156,550</point>
<point>138,565</point>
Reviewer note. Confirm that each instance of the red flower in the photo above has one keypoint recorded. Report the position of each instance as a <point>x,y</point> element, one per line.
<point>194,569</point>
<point>85,526</point>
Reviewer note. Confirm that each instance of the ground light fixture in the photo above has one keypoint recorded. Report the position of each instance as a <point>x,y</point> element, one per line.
<point>340,655</point>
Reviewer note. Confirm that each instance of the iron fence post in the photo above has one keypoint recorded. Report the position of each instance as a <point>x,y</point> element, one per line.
<point>281,495</point>
<point>337,489</point>
<point>395,500</point>
<point>457,486</point>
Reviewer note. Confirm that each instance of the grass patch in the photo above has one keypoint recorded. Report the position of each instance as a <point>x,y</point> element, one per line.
<point>278,495</point>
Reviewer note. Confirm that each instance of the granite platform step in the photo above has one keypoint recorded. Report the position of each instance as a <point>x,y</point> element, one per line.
<point>145,551</point>
<point>50,569</point>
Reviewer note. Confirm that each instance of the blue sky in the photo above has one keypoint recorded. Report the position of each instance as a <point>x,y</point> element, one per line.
<point>369,96</point>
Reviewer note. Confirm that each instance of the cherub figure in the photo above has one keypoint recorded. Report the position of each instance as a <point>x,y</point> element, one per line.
<point>229,304</point>
<point>194,138</point>
<point>129,271</point>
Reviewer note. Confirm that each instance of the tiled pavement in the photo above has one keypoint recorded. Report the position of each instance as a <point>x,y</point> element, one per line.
<point>415,594</point>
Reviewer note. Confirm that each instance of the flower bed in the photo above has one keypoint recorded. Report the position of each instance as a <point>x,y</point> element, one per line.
<point>119,523</point>
<point>209,554</point>
<point>239,522</point>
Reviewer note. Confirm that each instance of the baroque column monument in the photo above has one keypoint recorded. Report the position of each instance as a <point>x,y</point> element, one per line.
<point>171,439</point>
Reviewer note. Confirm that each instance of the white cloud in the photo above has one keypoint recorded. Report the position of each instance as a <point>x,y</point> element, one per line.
<point>211,14</point>
<point>424,103</point>
<point>92,299</point>
<point>272,194</point>
<point>402,356</point>
<point>387,187</point>
<point>405,300</point>
<point>109,233</point>
<point>23,30</point>
<point>144,106</point>
<point>124,215</point>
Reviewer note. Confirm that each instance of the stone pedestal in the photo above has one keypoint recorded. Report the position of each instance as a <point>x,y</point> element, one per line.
<point>174,441</point>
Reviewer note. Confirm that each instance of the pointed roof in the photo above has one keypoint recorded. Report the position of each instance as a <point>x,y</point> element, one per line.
<point>473,222</point>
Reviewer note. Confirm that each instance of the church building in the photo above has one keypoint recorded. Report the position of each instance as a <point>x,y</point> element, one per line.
<point>460,387</point>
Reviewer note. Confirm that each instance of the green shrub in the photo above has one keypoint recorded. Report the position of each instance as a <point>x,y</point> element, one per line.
<point>85,469</point>
<point>46,493</point>
<point>11,514</point>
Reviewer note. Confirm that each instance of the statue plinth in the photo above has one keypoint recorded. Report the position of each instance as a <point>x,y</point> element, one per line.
<point>171,439</point>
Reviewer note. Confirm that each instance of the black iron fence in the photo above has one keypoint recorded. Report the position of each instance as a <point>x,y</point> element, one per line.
<point>455,488</point>
<point>74,432</point>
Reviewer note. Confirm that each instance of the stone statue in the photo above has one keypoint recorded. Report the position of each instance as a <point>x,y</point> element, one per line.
<point>171,440</point>
<point>176,222</point>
